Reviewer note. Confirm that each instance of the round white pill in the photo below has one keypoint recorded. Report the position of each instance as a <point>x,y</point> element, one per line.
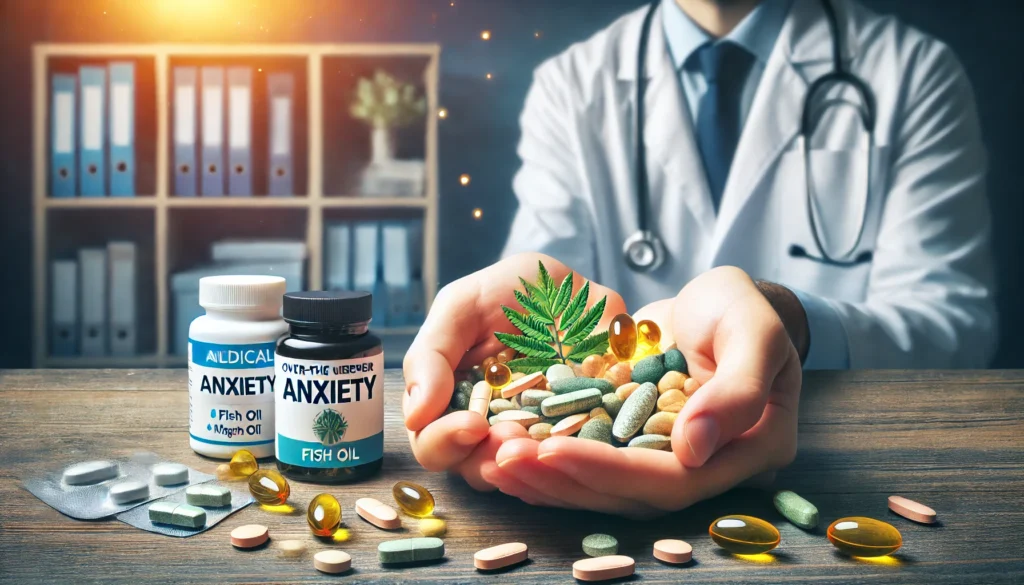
<point>90,472</point>
<point>170,473</point>
<point>128,491</point>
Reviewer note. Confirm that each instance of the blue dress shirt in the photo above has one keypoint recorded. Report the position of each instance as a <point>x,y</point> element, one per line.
<point>757,34</point>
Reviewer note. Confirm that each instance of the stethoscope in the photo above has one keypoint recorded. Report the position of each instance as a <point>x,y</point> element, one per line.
<point>643,251</point>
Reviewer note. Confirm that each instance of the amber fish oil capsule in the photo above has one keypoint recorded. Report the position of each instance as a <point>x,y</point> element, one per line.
<point>243,463</point>
<point>498,375</point>
<point>269,487</point>
<point>323,514</point>
<point>414,500</point>
<point>864,537</point>
<point>622,336</point>
<point>744,535</point>
<point>648,336</point>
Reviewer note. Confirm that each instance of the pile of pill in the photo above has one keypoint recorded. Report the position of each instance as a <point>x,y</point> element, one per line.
<point>630,396</point>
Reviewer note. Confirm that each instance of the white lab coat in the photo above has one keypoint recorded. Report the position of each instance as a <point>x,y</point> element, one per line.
<point>926,298</point>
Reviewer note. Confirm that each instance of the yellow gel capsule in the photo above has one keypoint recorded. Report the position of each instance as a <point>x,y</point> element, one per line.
<point>413,499</point>
<point>243,463</point>
<point>744,535</point>
<point>269,487</point>
<point>648,336</point>
<point>323,514</point>
<point>498,375</point>
<point>622,337</point>
<point>864,537</point>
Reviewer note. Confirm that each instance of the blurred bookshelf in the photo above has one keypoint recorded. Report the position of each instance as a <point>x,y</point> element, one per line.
<point>329,151</point>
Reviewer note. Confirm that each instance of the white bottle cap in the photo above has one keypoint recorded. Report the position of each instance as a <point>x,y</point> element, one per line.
<point>241,292</point>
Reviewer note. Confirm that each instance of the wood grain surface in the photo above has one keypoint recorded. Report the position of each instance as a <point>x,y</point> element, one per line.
<point>954,441</point>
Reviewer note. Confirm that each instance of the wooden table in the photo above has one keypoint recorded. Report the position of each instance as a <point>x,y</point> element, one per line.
<point>954,441</point>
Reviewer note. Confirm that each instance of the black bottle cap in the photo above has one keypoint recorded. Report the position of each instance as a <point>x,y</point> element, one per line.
<point>322,308</point>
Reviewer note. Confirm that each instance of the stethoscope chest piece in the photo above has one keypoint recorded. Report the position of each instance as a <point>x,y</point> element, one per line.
<point>643,251</point>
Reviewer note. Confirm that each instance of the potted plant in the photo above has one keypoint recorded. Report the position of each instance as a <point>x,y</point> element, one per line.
<point>386,104</point>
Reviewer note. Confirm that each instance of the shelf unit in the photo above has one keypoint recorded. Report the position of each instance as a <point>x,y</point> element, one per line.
<point>162,203</point>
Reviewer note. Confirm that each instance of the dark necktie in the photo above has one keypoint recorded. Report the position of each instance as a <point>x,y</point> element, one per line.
<point>725,67</point>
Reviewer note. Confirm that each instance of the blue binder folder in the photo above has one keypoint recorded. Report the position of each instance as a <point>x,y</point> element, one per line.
<point>185,169</point>
<point>92,164</point>
<point>213,131</point>
<point>240,131</point>
<point>62,137</point>
<point>122,129</point>
<point>280,86</point>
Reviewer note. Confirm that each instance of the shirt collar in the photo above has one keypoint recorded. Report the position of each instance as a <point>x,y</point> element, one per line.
<point>756,33</point>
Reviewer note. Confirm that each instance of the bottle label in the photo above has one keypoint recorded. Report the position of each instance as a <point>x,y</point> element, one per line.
<point>231,393</point>
<point>330,413</point>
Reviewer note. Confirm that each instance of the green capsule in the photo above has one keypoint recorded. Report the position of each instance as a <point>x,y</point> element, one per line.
<point>796,509</point>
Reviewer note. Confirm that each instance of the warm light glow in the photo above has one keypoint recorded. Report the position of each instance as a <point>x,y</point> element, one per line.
<point>882,560</point>
<point>280,509</point>
<point>260,70</point>
<point>763,558</point>
<point>485,35</point>
<point>478,213</point>
<point>442,113</point>
<point>489,76</point>
<point>464,179</point>
<point>341,535</point>
<point>452,4</point>
<point>537,34</point>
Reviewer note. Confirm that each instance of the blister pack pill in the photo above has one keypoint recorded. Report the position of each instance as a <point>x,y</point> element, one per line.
<point>93,489</point>
<point>140,516</point>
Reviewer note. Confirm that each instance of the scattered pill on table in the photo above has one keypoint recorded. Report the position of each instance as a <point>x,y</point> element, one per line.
<point>744,535</point>
<point>600,545</point>
<point>332,561</point>
<point>413,499</point>
<point>243,463</point>
<point>410,550</point>
<point>128,491</point>
<point>796,509</point>
<point>378,513</point>
<point>433,527</point>
<point>912,510</point>
<point>864,537</point>
<point>249,536</point>
<point>170,474</point>
<point>269,487</point>
<point>676,552</point>
<point>210,496</point>
<point>602,568</point>
<point>292,548</point>
<point>501,556</point>
<point>323,514</point>
<point>90,472</point>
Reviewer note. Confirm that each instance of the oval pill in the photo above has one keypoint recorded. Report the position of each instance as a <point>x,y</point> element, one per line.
<point>676,552</point>
<point>211,496</point>
<point>323,514</point>
<point>796,509</point>
<point>522,384</point>
<point>269,487</point>
<point>570,425</point>
<point>571,402</point>
<point>378,513</point>
<point>413,499</point>
<point>600,545</point>
<point>864,537</point>
<point>501,556</point>
<point>243,463</point>
<point>90,472</point>
<point>601,568</point>
<point>410,550</point>
<point>744,535</point>
<point>622,336</point>
<point>332,561</point>
<point>170,473</point>
<point>912,510</point>
<point>128,491</point>
<point>249,536</point>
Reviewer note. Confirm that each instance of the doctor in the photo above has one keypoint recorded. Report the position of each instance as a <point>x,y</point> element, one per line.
<point>809,143</point>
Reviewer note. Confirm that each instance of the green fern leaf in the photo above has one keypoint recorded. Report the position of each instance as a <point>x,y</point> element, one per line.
<point>529,325</point>
<point>594,345</point>
<point>585,324</point>
<point>563,296</point>
<point>534,307</point>
<point>545,282</point>
<point>531,365</point>
<point>575,308</point>
<point>527,346</point>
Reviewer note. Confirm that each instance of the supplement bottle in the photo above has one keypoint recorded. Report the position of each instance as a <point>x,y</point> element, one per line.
<point>231,365</point>
<point>329,389</point>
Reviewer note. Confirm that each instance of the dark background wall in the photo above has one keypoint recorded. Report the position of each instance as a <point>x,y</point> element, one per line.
<point>480,134</point>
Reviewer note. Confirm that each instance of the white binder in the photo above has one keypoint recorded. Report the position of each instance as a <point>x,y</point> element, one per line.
<point>397,272</point>
<point>123,319</point>
<point>64,308</point>
<point>339,256</point>
<point>93,279</point>
<point>366,264</point>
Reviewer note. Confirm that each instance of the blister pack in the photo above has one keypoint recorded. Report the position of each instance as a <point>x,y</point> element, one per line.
<point>141,517</point>
<point>90,490</point>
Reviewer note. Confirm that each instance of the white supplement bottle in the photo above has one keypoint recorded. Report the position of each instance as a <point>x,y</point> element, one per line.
<point>231,365</point>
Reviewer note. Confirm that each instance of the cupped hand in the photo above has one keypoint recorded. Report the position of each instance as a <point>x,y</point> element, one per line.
<point>458,334</point>
<point>740,423</point>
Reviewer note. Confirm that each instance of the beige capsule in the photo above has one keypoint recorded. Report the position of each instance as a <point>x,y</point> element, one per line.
<point>671,381</point>
<point>480,398</point>
<point>522,383</point>
<point>378,513</point>
<point>671,401</point>
<point>503,555</point>
<point>660,423</point>
<point>527,419</point>
<point>623,391</point>
<point>602,568</point>
<point>541,431</point>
